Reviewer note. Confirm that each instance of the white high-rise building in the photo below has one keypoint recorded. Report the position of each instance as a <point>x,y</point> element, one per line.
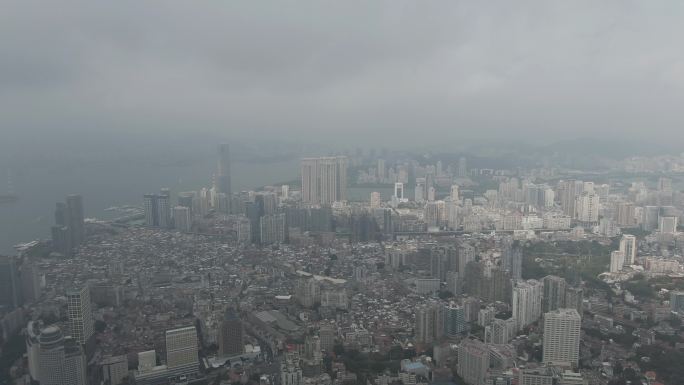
<point>617,261</point>
<point>431,192</point>
<point>473,362</point>
<point>628,247</point>
<point>434,213</point>
<point>375,200</point>
<point>324,180</point>
<point>454,193</point>
<point>181,348</point>
<point>399,190</point>
<point>452,210</point>
<point>587,207</point>
<point>500,331</point>
<point>381,170</point>
<point>667,225</point>
<point>115,369</point>
<point>549,197</point>
<point>527,301</point>
<point>419,192</point>
<point>562,337</point>
<point>147,360</point>
<point>462,167</point>
<point>80,314</point>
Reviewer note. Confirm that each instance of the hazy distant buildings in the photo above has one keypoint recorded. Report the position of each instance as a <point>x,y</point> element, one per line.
<point>667,225</point>
<point>677,301</point>
<point>157,210</point>
<point>324,180</point>
<point>272,229</point>
<point>375,200</point>
<point>462,167</point>
<point>10,283</point>
<point>587,207</point>
<point>182,219</point>
<point>69,230</point>
<point>223,170</point>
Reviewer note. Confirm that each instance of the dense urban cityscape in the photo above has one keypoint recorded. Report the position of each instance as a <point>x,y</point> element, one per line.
<point>390,192</point>
<point>464,275</point>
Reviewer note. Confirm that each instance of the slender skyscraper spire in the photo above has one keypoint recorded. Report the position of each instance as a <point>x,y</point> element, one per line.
<point>223,170</point>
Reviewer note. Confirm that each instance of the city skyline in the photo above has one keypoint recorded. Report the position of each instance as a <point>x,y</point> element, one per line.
<point>342,193</point>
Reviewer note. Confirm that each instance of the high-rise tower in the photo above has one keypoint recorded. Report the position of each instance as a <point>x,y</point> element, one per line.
<point>231,334</point>
<point>223,170</point>
<point>10,284</point>
<point>324,180</point>
<point>80,313</point>
<point>74,205</point>
<point>562,337</point>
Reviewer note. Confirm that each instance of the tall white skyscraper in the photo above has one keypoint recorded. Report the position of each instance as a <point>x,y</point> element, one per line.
<point>454,193</point>
<point>80,314</point>
<point>500,331</point>
<point>399,190</point>
<point>381,170</point>
<point>667,225</point>
<point>419,192</point>
<point>434,213</point>
<point>431,192</point>
<point>181,348</point>
<point>527,298</point>
<point>462,167</point>
<point>375,200</point>
<point>628,248</point>
<point>562,337</point>
<point>452,210</point>
<point>324,180</point>
<point>617,261</point>
<point>587,207</point>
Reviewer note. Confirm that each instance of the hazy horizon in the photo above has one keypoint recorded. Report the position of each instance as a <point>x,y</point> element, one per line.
<point>394,73</point>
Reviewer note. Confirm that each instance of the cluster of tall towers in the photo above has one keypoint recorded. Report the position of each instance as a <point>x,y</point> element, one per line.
<point>69,230</point>
<point>56,357</point>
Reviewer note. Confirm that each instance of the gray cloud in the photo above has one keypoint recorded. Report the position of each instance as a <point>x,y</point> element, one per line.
<point>528,70</point>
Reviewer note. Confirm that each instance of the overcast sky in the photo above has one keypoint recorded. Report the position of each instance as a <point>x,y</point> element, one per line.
<point>418,71</point>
